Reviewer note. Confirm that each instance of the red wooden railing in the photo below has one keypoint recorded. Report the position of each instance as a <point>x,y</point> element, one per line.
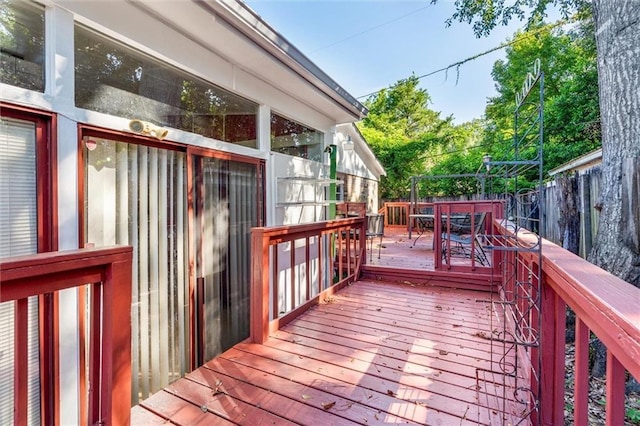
<point>480,216</point>
<point>605,306</point>
<point>294,267</point>
<point>108,272</point>
<point>396,214</point>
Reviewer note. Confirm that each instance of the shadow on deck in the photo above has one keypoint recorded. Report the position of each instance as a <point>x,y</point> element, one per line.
<point>374,353</point>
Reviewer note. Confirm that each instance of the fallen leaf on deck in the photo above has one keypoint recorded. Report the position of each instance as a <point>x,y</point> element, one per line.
<point>305,397</point>
<point>379,309</point>
<point>218,387</point>
<point>328,405</point>
<point>441,352</point>
<point>390,392</point>
<point>438,307</point>
<point>482,334</point>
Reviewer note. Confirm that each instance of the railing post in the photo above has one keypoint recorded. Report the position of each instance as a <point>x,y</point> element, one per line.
<point>615,391</point>
<point>20,412</point>
<point>552,347</point>
<point>116,344</point>
<point>259,286</point>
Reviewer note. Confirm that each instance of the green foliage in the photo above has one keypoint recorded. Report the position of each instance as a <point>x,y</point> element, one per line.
<point>410,139</point>
<point>633,415</point>
<point>459,152</point>
<point>571,114</point>
<point>400,129</point>
<point>486,15</point>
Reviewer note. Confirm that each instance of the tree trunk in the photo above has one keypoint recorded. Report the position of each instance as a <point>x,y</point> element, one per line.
<point>618,45</point>
<point>569,221</point>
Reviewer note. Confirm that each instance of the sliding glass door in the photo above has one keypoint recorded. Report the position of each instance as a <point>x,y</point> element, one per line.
<point>140,196</point>
<point>225,208</point>
<point>136,195</point>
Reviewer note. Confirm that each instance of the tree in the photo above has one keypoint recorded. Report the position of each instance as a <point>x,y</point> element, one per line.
<point>400,128</point>
<point>572,120</point>
<point>617,35</point>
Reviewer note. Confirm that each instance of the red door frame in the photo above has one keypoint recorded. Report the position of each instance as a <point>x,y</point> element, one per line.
<point>47,240</point>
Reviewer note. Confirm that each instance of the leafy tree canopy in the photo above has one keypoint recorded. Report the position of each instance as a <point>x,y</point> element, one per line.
<point>400,128</point>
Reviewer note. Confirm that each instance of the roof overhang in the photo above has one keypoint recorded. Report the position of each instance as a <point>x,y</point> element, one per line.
<point>246,21</point>
<point>234,32</point>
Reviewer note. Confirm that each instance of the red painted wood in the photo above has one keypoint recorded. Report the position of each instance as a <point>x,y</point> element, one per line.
<point>281,400</point>
<point>142,416</point>
<point>48,332</point>
<point>95,303</point>
<point>21,356</point>
<point>607,305</point>
<point>375,372</point>
<point>553,358</point>
<point>265,240</point>
<point>259,286</point>
<point>116,343</point>
<point>615,391</point>
<point>581,375</point>
<point>378,393</point>
<point>43,273</point>
<point>559,359</point>
<point>218,402</point>
<point>180,412</point>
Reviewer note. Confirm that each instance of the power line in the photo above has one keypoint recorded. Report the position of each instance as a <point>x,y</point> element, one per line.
<point>486,52</point>
<point>372,28</point>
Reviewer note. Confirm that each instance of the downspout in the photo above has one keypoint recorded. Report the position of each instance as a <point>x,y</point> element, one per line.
<point>333,176</point>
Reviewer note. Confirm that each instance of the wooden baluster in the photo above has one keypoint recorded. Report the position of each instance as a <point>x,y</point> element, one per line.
<point>581,375</point>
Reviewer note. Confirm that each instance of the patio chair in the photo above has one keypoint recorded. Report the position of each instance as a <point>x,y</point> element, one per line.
<point>375,228</point>
<point>462,244</point>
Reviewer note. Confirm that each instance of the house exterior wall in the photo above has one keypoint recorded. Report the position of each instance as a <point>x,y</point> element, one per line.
<point>209,48</point>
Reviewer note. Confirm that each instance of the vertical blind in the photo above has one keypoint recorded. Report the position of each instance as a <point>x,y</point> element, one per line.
<point>136,195</point>
<point>18,236</point>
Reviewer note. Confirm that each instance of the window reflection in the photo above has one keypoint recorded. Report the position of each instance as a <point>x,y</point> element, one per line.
<point>22,44</point>
<point>292,138</point>
<point>118,80</point>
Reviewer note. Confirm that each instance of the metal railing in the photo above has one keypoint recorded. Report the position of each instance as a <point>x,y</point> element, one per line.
<point>604,305</point>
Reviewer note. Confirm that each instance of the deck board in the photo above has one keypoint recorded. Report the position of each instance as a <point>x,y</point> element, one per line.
<point>375,353</point>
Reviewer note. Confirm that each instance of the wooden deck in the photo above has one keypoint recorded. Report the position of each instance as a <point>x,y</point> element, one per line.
<point>400,251</point>
<point>376,353</point>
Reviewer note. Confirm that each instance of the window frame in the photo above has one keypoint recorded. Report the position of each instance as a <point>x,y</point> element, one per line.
<point>47,241</point>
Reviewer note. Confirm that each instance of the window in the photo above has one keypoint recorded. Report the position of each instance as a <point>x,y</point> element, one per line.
<point>291,138</point>
<point>19,224</point>
<point>22,44</point>
<point>115,79</point>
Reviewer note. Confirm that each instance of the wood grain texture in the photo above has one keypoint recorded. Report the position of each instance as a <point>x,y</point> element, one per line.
<point>374,353</point>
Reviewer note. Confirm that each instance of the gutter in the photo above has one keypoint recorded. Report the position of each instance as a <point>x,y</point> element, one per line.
<point>238,15</point>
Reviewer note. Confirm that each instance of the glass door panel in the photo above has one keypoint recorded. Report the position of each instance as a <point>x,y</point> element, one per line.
<point>225,210</point>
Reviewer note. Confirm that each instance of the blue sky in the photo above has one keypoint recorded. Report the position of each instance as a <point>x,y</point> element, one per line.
<point>389,40</point>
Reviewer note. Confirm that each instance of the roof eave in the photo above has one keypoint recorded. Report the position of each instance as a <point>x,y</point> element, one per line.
<point>246,21</point>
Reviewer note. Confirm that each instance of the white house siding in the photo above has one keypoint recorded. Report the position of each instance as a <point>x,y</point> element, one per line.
<point>207,47</point>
